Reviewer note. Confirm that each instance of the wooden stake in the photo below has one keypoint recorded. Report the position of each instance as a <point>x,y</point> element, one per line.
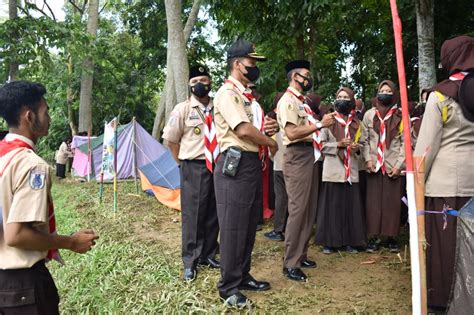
<point>419,164</point>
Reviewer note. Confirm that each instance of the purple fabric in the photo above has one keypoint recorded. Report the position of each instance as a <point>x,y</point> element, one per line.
<point>148,150</point>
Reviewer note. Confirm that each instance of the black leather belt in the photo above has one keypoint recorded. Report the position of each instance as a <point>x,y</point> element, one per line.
<point>245,154</point>
<point>300,144</point>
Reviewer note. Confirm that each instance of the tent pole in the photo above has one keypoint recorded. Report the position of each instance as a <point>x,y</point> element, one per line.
<point>115,164</point>
<point>418,306</point>
<point>101,189</point>
<point>135,163</point>
<point>89,155</point>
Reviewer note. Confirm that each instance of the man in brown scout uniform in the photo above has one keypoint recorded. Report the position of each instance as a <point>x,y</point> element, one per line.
<point>185,133</point>
<point>237,176</point>
<point>28,234</point>
<point>300,169</point>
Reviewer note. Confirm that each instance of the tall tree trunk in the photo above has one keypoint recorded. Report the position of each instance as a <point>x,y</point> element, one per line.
<point>71,113</point>
<point>87,77</point>
<point>13,66</point>
<point>169,95</point>
<point>426,54</point>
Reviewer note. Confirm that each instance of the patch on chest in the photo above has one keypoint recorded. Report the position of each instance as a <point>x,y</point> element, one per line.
<point>193,115</point>
<point>37,179</point>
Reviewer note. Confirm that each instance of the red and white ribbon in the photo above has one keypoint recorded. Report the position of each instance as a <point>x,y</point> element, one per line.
<point>317,146</point>
<point>211,147</point>
<point>347,152</point>
<point>382,137</point>
<point>458,76</point>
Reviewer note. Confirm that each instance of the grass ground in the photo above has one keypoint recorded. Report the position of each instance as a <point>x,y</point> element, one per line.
<point>135,267</point>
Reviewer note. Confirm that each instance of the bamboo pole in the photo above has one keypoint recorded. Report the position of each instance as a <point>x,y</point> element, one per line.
<point>420,206</point>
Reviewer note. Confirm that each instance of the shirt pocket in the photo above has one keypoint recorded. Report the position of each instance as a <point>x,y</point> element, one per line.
<point>196,126</point>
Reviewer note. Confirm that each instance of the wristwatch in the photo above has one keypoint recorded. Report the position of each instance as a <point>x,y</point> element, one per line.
<point>319,125</point>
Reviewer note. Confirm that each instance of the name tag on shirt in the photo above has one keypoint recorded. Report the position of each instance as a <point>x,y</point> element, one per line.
<point>193,116</point>
<point>301,107</point>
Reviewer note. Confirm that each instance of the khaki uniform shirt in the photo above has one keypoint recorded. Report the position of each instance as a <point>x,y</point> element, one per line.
<point>63,154</point>
<point>25,187</point>
<point>449,163</point>
<point>394,156</point>
<point>186,127</point>
<point>230,110</point>
<point>333,167</point>
<point>291,110</point>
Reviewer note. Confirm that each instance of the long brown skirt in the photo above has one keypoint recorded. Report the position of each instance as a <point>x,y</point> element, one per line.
<point>383,204</point>
<point>340,217</point>
<point>441,252</point>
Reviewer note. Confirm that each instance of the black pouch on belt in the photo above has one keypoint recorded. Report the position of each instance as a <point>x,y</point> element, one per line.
<point>232,161</point>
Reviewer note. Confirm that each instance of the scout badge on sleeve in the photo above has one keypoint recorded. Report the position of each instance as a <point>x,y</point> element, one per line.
<point>37,179</point>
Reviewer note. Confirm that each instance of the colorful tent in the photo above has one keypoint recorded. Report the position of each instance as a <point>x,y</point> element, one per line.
<point>138,155</point>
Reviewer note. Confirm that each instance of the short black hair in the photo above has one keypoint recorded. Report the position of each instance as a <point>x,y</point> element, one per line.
<point>16,95</point>
<point>230,62</point>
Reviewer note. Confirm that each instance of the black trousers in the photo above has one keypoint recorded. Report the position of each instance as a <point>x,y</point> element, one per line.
<point>239,202</point>
<point>281,202</point>
<point>198,213</point>
<point>61,170</point>
<point>28,291</point>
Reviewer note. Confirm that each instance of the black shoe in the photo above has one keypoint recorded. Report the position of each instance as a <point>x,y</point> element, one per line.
<point>373,246</point>
<point>189,274</point>
<point>210,262</point>
<point>254,285</point>
<point>393,245</point>
<point>308,264</point>
<point>351,250</point>
<point>295,274</point>
<point>259,227</point>
<point>328,250</point>
<point>275,236</point>
<point>236,300</point>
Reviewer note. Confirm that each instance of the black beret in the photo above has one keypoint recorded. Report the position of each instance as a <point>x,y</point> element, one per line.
<point>297,64</point>
<point>197,71</point>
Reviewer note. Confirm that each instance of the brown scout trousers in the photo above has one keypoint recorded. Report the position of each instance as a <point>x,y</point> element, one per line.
<point>239,202</point>
<point>302,185</point>
<point>198,213</point>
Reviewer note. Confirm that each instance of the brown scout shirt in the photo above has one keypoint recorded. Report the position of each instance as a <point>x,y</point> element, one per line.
<point>291,110</point>
<point>449,161</point>
<point>186,127</point>
<point>333,167</point>
<point>63,154</point>
<point>23,201</point>
<point>394,156</point>
<point>230,110</point>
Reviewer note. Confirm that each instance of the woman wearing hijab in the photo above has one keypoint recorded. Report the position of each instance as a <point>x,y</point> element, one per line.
<point>384,155</point>
<point>340,218</point>
<point>446,140</point>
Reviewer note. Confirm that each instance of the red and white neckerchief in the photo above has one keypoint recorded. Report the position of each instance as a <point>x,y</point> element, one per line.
<point>347,152</point>
<point>258,118</point>
<point>8,146</point>
<point>317,145</point>
<point>382,136</point>
<point>459,76</point>
<point>211,147</point>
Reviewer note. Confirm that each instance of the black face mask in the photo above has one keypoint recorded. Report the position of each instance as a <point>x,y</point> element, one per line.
<point>307,83</point>
<point>200,89</point>
<point>385,99</point>
<point>253,73</point>
<point>343,106</point>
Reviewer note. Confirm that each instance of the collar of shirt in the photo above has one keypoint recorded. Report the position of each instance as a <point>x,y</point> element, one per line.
<point>240,87</point>
<point>13,136</point>
<point>195,103</point>
<point>296,93</point>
